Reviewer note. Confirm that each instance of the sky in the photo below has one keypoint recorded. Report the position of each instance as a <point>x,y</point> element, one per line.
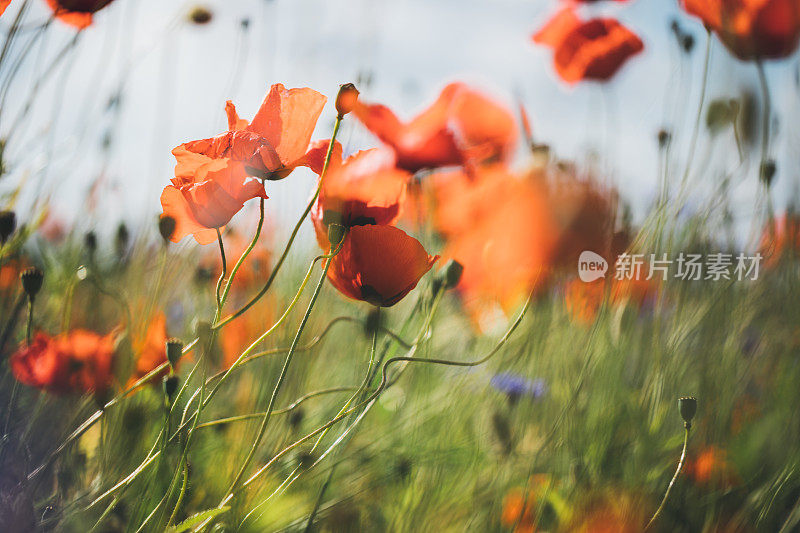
<point>141,80</point>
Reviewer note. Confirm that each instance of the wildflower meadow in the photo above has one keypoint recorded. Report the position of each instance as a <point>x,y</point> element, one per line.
<point>343,265</point>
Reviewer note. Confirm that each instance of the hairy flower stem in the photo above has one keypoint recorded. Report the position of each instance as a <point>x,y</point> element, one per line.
<point>687,427</point>
<point>221,276</point>
<point>765,122</point>
<point>360,393</point>
<point>265,421</point>
<point>293,235</point>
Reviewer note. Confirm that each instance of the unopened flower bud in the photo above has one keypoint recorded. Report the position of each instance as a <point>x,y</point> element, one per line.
<point>688,408</point>
<point>90,241</point>
<point>32,279</point>
<point>200,15</point>
<point>767,172</point>
<point>346,99</point>
<point>336,233</point>
<point>8,223</point>
<point>449,276</point>
<point>170,384</point>
<point>174,352</point>
<point>122,239</point>
<point>166,227</point>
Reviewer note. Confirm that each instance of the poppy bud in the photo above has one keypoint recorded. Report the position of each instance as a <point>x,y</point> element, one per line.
<point>122,239</point>
<point>90,241</point>
<point>174,352</point>
<point>768,172</point>
<point>373,322</point>
<point>502,430</point>
<point>32,279</point>
<point>449,276</point>
<point>664,137</point>
<point>170,384</point>
<point>346,99</point>
<point>8,223</point>
<point>166,227</point>
<point>336,233</point>
<point>200,15</point>
<point>296,417</point>
<point>687,407</point>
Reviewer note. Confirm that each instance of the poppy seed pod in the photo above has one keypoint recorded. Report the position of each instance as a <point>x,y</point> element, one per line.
<point>170,384</point>
<point>166,227</point>
<point>336,233</point>
<point>688,408</point>
<point>8,223</point>
<point>174,352</point>
<point>32,279</point>
<point>346,99</point>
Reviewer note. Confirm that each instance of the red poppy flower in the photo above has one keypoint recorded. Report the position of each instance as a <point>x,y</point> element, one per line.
<point>3,5</point>
<point>77,13</point>
<point>275,142</point>
<point>151,351</point>
<point>367,188</point>
<point>751,28</point>
<point>590,50</point>
<point>781,238</point>
<point>583,300</point>
<point>712,467</point>
<point>78,361</point>
<point>461,126</point>
<point>256,266</point>
<point>379,264</point>
<point>501,229</point>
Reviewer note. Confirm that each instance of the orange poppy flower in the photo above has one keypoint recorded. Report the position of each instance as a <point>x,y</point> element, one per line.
<point>518,512</point>
<point>3,5</point>
<point>205,194</point>
<point>379,264</point>
<point>367,188</point>
<point>501,229</point>
<point>585,213</point>
<point>751,28</point>
<point>583,300</point>
<point>461,126</point>
<point>151,350</point>
<point>239,334</point>
<point>781,238</point>
<point>711,467</point>
<point>78,361</point>
<point>275,142</point>
<point>77,13</point>
<point>587,50</point>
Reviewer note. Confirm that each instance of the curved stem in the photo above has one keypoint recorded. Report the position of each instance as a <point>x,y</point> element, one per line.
<point>296,229</point>
<point>674,477</point>
<point>265,421</point>
<point>221,276</point>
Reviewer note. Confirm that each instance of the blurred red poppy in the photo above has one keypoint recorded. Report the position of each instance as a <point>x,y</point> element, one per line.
<point>583,300</point>
<point>367,188</point>
<point>254,270</point>
<point>461,126</point>
<point>151,351</point>
<point>587,50</point>
<point>781,238</point>
<point>3,5</point>
<point>711,467</point>
<point>77,13</point>
<point>379,264</point>
<point>751,28</point>
<point>79,361</point>
<point>275,142</point>
<point>501,229</point>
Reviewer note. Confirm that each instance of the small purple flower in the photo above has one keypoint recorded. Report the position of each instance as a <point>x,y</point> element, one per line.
<point>516,386</point>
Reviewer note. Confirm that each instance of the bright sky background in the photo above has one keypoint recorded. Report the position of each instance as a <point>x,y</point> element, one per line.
<point>175,78</point>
